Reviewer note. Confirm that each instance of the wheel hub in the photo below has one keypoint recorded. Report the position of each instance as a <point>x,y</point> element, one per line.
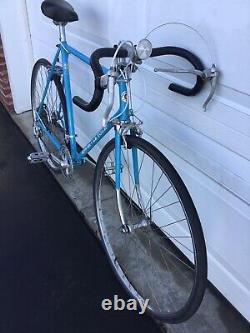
<point>126,229</point>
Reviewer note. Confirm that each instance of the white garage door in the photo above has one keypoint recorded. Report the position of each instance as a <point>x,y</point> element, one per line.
<point>210,150</point>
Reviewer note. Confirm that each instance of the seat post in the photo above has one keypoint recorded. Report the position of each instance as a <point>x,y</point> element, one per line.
<point>62,32</point>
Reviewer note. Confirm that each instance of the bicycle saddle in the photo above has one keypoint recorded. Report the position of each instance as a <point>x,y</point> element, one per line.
<point>59,11</point>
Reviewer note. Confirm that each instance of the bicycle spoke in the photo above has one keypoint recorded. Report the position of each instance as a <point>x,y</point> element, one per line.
<point>154,189</point>
<point>161,196</point>
<point>171,223</point>
<point>176,257</point>
<point>179,237</point>
<point>151,190</point>
<point>166,206</point>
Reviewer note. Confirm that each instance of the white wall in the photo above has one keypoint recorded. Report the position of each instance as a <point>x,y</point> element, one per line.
<point>210,150</point>
<point>14,29</point>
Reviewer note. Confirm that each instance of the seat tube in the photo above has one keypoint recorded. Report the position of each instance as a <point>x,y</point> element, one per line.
<point>67,90</point>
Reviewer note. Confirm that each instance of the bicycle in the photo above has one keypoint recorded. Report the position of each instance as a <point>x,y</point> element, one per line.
<point>148,223</point>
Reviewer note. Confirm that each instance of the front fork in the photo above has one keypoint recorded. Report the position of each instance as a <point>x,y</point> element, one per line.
<point>118,139</point>
<point>118,169</point>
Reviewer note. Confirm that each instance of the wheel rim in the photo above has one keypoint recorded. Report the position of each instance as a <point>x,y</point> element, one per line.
<point>165,251</point>
<point>52,114</point>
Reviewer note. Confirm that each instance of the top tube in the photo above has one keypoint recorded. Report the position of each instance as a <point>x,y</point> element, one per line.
<point>79,55</point>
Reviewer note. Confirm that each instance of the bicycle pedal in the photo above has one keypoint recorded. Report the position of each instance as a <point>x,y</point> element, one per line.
<point>38,157</point>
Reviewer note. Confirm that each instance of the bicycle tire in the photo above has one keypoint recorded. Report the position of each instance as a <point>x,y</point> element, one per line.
<point>198,289</point>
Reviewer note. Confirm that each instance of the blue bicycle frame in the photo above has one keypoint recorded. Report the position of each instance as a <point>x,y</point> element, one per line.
<point>121,115</point>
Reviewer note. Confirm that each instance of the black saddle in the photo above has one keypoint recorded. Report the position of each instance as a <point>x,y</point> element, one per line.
<point>59,11</point>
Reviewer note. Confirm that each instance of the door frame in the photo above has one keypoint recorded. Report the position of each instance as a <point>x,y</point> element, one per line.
<point>18,52</point>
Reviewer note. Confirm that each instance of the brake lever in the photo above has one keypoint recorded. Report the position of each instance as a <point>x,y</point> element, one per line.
<point>210,74</point>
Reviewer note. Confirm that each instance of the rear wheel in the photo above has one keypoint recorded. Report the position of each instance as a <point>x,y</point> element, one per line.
<point>52,113</point>
<point>161,254</point>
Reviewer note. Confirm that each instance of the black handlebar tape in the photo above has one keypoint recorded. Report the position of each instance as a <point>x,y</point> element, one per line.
<point>189,56</point>
<point>98,72</point>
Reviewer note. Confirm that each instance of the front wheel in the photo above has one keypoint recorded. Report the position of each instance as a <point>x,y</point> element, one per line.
<point>160,255</point>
